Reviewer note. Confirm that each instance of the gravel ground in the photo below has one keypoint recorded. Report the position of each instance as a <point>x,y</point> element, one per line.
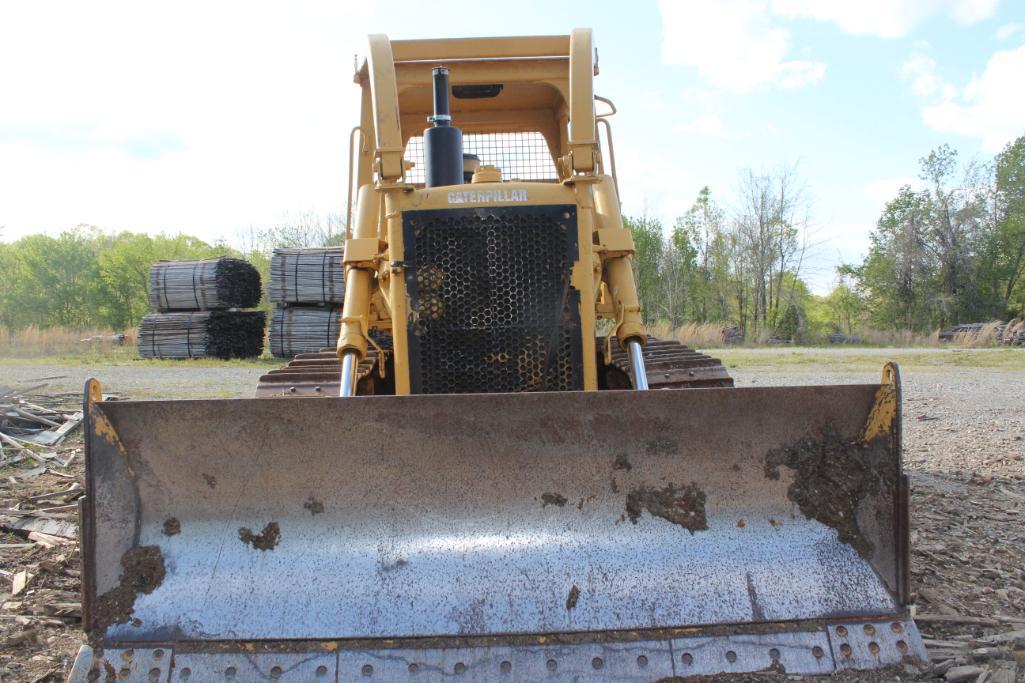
<point>964,436</point>
<point>957,421</point>
<point>142,381</point>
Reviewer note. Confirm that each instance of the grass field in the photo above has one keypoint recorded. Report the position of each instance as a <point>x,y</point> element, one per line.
<point>858,359</point>
<point>853,358</point>
<point>128,357</point>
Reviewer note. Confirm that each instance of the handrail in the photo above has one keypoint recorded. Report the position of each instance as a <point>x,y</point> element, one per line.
<point>608,102</point>
<point>612,151</point>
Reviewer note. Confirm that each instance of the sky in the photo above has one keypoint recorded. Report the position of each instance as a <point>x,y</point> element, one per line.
<point>211,118</point>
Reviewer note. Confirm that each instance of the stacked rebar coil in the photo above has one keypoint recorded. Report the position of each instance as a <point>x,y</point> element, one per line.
<point>198,316</point>
<point>307,276</point>
<point>209,285</point>
<point>303,329</point>
<point>202,334</point>
<point>307,287</point>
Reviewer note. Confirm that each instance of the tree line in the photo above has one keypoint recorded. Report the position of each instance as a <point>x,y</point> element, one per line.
<point>952,251</point>
<point>89,278</point>
<point>738,268</point>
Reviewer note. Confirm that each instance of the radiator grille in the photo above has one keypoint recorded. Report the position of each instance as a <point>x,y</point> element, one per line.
<point>492,309</point>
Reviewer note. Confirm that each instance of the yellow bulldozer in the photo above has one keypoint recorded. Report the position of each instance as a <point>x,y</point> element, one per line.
<point>476,484</point>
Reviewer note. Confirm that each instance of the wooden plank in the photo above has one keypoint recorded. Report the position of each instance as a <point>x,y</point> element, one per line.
<point>36,418</point>
<point>53,437</point>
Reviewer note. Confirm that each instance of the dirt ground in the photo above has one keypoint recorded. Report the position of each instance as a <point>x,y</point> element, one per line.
<point>964,436</point>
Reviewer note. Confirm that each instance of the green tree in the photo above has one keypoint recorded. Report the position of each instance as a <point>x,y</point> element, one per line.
<point>85,277</point>
<point>899,275</point>
<point>844,305</point>
<point>953,251</point>
<point>704,224</point>
<point>1010,226</point>
<point>649,247</point>
<point>52,280</point>
<point>124,270</point>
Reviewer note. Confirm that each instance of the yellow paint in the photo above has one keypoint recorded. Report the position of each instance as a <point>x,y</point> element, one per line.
<point>103,429</point>
<point>883,416</point>
<point>548,88</point>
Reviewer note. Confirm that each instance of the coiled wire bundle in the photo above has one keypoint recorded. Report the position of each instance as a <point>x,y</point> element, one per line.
<point>202,334</point>
<point>307,276</point>
<point>305,329</point>
<point>208,285</point>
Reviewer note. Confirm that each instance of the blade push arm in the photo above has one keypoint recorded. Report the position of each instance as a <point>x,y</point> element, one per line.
<point>617,248</point>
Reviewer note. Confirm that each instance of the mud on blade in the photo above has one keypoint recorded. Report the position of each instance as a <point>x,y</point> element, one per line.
<point>492,515</point>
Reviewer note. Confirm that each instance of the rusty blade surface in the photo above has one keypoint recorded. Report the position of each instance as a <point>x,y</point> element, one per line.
<point>398,516</point>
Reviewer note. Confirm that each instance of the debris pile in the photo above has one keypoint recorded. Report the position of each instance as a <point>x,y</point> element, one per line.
<point>307,287</point>
<point>1014,333</point>
<point>733,334</point>
<point>968,571</point>
<point>1011,333</point>
<point>841,338</point>
<point>28,420</point>
<point>210,285</point>
<point>198,316</point>
<point>40,484</point>
<point>776,340</point>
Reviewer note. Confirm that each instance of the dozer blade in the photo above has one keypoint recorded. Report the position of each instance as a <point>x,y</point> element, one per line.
<point>612,536</point>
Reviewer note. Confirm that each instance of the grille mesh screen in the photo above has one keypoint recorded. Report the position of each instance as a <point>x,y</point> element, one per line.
<point>492,309</point>
<point>521,156</point>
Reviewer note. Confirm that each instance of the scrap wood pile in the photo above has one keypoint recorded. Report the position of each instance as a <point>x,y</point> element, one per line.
<point>307,287</point>
<point>842,338</point>
<point>197,316</point>
<point>40,605</point>
<point>1011,333</point>
<point>968,571</point>
<point>732,334</point>
<point>28,420</point>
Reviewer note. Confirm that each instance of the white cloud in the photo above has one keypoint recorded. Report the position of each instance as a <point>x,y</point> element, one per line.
<point>881,191</point>
<point>733,44</point>
<point>651,100</point>
<point>920,70</point>
<point>884,18</point>
<point>741,45</point>
<point>841,242</point>
<point>1008,30</point>
<point>203,118</point>
<point>705,98</point>
<point>991,107</point>
<point>710,125</point>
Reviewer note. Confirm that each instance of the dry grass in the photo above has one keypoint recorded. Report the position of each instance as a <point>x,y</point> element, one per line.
<point>694,335</point>
<point>711,335</point>
<point>902,338</point>
<point>33,342</point>
<point>982,337</point>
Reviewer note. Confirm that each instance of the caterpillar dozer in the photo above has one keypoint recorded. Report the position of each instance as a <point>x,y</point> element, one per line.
<point>476,485</point>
